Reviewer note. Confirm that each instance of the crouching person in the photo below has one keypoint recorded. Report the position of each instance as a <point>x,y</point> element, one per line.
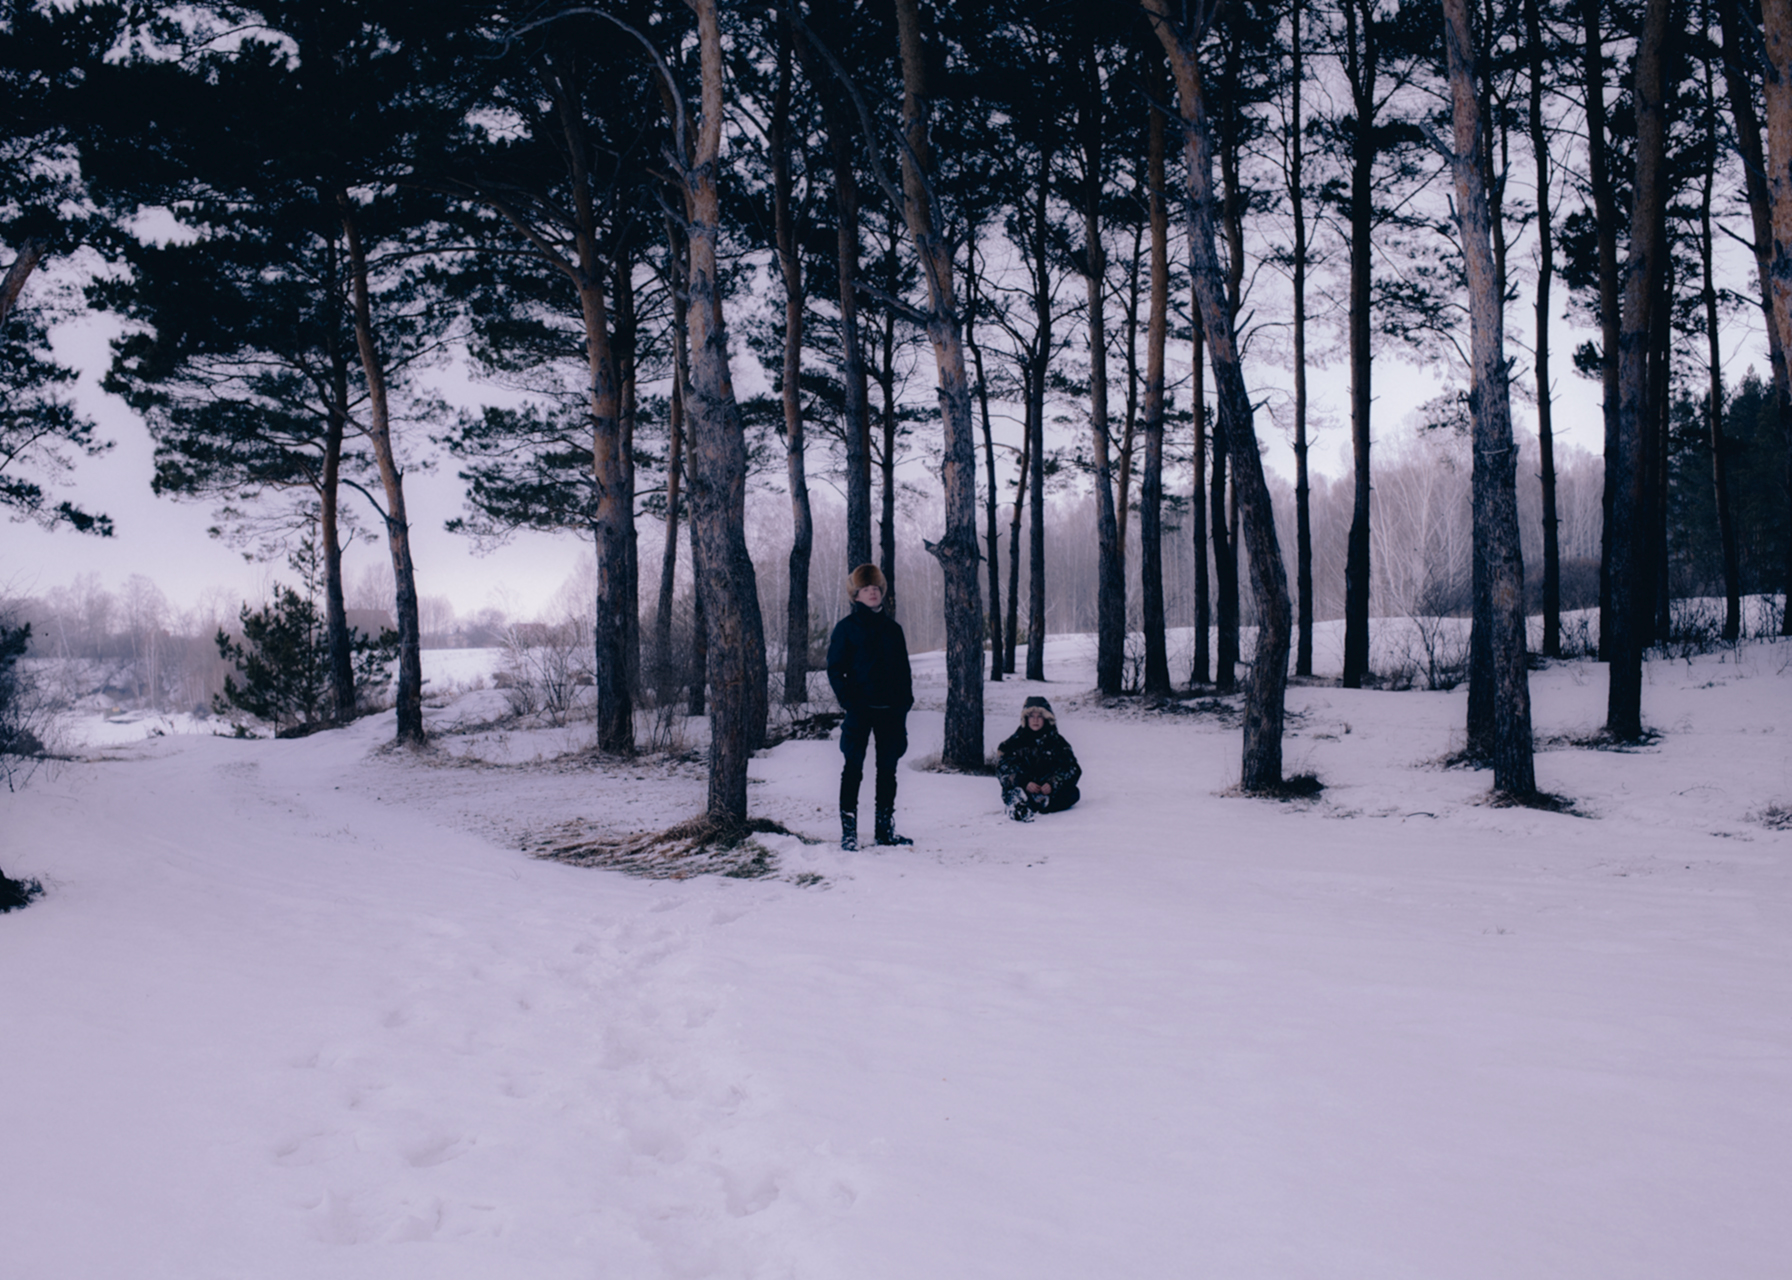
<point>868,668</point>
<point>1037,768</point>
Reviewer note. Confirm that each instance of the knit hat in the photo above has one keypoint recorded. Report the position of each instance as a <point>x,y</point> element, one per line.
<point>1038,704</point>
<point>866,575</point>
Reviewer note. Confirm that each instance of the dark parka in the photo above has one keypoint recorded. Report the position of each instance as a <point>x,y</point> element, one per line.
<point>868,662</point>
<point>1043,757</point>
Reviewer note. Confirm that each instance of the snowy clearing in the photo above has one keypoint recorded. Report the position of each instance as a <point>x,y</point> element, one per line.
<point>298,1009</point>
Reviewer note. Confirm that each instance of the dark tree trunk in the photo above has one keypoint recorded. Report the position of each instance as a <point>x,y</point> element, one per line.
<point>1643,272</point>
<point>957,548</point>
<point>992,535</point>
<point>1201,667</point>
<point>1130,430</point>
<point>1303,520</point>
<point>409,695</point>
<point>1605,217</point>
<point>342,666</point>
<point>719,472</point>
<point>802,540</point>
<point>842,129</point>
<point>1020,490</point>
<point>1225,562</point>
<point>1714,394</point>
<point>1546,447</point>
<point>1038,375</point>
<point>1261,768</point>
<point>1151,491</point>
<point>1495,482</point>
<point>886,518</point>
<point>667,677</point>
<point>630,594</point>
<point>1738,58</point>
<point>1110,598</point>
<point>1361,59</point>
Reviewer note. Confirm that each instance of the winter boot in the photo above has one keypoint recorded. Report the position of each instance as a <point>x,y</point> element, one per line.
<point>886,828</point>
<point>1018,808</point>
<point>849,831</point>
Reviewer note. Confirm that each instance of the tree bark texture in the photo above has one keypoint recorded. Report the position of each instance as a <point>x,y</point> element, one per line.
<point>842,129</point>
<point>1303,490</point>
<point>1630,585</point>
<point>1151,490</point>
<point>1264,710</point>
<point>409,694</point>
<point>957,547</point>
<point>1546,446</point>
<point>1202,666</point>
<point>1361,57</point>
<point>667,677</point>
<point>1495,478</point>
<point>1012,638</point>
<point>719,470</point>
<point>1037,376</point>
<point>1110,598</point>
<point>1738,58</point>
<point>342,666</point>
<point>1714,394</point>
<point>1605,217</point>
<point>802,539</point>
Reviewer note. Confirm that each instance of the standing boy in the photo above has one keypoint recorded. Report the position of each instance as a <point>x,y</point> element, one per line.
<point>868,667</point>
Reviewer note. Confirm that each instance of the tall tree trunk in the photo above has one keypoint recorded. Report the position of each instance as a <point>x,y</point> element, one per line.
<point>992,535</point>
<point>1225,563</point>
<point>615,504</point>
<point>719,471</point>
<point>886,517</point>
<point>1643,272</point>
<point>1360,67</point>
<point>627,337</point>
<point>802,538</point>
<point>342,663</point>
<point>1714,395</point>
<point>1151,494</point>
<point>1495,480</point>
<point>1020,491</point>
<point>1129,432</point>
<point>1038,376</point>
<point>1303,517</point>
<point>1605,219</point>
<point>842,129</point>
<point>1738,57</point>
<point>667,678</point>
<point>1110,589</point>
<point>957,548</point>
<point>1264,710</point>
<point>1202,665</point>
<point>1546,446</point>
<point>409,695</point>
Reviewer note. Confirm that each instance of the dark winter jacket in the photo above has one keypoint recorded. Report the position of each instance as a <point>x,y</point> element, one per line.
<point>868,662</point>
<point>1026,756</point>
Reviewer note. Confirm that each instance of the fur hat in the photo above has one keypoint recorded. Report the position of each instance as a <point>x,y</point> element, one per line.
<point>866,575</point>
<point>1038,704</point>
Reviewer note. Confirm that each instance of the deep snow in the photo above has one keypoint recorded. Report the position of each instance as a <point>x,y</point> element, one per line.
<point>302,1009</point>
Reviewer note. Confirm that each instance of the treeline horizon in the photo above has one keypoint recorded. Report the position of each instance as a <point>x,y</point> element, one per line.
<point>583,202</point>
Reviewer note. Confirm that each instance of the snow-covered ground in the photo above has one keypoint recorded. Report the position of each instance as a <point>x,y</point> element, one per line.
<point>301,1009</point>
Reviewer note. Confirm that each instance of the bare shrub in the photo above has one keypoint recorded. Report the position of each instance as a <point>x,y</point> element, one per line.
<point>545,666</point>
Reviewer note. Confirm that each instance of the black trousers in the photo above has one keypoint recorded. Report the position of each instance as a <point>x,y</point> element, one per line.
<point>889,725</point>
<point>1059,800</point>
